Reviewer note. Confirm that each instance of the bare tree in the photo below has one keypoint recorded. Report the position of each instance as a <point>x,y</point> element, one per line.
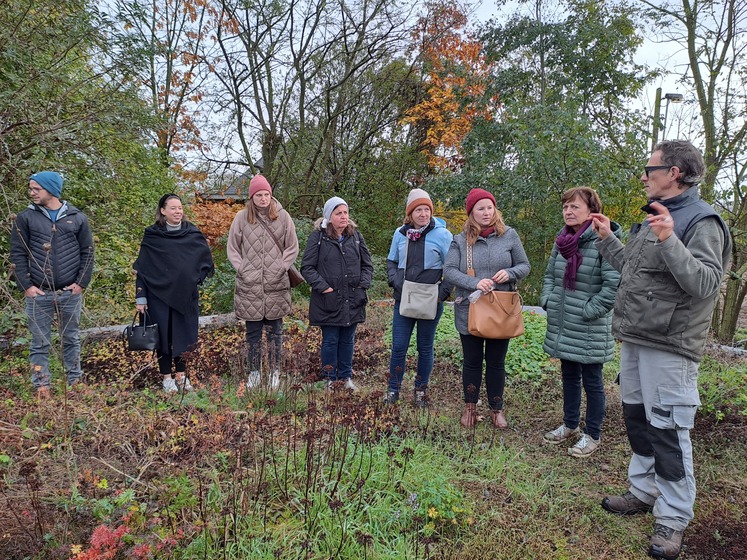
<point>714,35</point>
<point>303,79</point>
<point>167,44</point>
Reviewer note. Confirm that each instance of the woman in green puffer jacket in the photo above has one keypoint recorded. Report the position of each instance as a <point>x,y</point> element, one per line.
<point>578,294</point>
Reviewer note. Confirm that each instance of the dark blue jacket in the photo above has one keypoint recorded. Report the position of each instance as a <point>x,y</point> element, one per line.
<point>345,266</point>
<point>51,255</point>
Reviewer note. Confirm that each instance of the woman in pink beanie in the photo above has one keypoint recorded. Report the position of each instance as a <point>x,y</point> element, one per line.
<point>497,262</point>
<point>262,246</point>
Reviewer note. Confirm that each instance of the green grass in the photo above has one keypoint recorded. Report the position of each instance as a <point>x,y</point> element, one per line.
<point>223,473</point>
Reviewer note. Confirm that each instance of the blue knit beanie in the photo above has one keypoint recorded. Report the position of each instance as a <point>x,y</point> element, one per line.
<point>49,181</point>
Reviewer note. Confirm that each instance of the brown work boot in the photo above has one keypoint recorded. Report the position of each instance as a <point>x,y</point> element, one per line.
<point>499,419</point>
<point>665,542</point>
<point>627,504</point>
<point>469,416</point>
<point>43,393</point>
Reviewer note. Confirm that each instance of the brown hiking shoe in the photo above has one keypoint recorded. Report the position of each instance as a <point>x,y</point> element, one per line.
<point>43,393</point>
<point>627,504</point>
<point>665,542</point>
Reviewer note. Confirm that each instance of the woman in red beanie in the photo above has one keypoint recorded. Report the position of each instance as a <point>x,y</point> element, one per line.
<point>262,246</point>
<point>497,261</point>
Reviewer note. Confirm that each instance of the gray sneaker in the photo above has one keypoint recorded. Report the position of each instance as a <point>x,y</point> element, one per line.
<point>665,542</point>
<point>419,399</point>
<point>350,386</point>
<point>627,504</point>
<point>561,434</point>
<point>585,446</point>
<point>183,384</point>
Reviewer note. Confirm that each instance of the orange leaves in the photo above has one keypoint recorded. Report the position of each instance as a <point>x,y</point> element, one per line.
<point>455,85</point>
<point>215,218</point>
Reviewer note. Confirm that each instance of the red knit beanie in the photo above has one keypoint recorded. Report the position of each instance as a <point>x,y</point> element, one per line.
<point>476,195</point>
<point>258,183</point>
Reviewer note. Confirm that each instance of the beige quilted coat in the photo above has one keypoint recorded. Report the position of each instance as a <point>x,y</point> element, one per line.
<point>262,286</point>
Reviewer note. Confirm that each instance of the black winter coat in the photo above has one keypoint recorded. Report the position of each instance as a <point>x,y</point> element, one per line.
<point>50,255</point>
<point>343,266</point>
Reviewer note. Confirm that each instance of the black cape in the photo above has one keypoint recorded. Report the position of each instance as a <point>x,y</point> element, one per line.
<point>169,266</point>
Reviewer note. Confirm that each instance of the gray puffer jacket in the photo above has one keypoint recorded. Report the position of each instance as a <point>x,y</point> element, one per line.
<point>579,322</point>
<point>51,255</point>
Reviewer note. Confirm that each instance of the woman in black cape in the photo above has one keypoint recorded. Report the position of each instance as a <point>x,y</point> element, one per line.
<point>174,258</point>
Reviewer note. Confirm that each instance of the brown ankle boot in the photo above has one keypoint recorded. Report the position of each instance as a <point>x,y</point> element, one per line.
<point>469,416</point>
<point>499,420</point>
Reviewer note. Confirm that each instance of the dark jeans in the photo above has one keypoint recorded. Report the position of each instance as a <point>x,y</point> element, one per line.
<point>402,328</point>
<point>338,344</point>
<point>475,349</point>
<point>274,343</point>
<point>574,374</point>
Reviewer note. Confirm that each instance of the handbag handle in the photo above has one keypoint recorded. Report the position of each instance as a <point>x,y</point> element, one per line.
<point>143,318</point>
<point>500,303</point>
<point>407,244</point>
<point>471,269</point>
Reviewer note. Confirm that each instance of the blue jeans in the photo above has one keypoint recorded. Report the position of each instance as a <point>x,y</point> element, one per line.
<point>590,375</point>
<point>338,344</point>
<point>41,311</point>
<point>402,328</point>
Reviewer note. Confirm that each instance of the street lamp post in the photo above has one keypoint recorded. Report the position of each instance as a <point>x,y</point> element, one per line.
<point>674,98</point>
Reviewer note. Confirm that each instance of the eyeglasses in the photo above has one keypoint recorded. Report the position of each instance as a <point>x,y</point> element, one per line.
<point>651,168</point>
<point>35,190</point>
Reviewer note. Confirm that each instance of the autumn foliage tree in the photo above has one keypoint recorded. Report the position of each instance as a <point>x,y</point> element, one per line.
<point>455,82</point>
<point>166,41</point>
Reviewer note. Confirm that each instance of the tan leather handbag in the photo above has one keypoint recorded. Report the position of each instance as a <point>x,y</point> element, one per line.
<point>496,315</point>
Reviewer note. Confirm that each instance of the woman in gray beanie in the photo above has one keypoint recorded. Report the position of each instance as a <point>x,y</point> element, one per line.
<point>337,266</point>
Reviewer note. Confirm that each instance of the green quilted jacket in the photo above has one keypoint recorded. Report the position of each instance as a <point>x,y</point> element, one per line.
<point>579,322</point>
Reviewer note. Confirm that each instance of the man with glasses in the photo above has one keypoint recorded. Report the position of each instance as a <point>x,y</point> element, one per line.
<point>671,270</point>
<point>51,250</point>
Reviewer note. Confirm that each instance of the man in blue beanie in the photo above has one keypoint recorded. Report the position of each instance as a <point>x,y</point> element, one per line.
<point>51,250</point>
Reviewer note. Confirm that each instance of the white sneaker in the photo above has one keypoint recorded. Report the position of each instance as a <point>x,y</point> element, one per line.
<point>560,434</point>
<point>350,385</point>
<point>253,380</point>
<point>183,384</point>
<point>169,385</point>
<point>584,446</point>
<point>275,380</point>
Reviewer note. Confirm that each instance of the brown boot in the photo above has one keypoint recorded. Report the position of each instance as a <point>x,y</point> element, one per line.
<point>665,542</point>
<point>469,416</point>
<point>499,419</point>
<point>43,393</point>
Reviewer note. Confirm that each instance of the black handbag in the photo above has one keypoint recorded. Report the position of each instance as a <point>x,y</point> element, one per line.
<point>140,336</point>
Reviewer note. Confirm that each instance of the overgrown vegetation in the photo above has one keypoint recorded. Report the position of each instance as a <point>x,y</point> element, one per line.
<point>118,470</point>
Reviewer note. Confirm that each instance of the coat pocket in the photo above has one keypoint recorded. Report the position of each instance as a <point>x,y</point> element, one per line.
<point>329,302</point>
